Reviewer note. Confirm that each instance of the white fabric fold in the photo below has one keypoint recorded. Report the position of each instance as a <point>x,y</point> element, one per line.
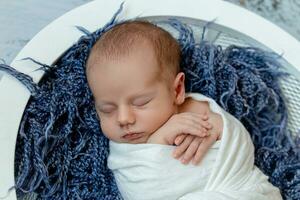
<point>149,172</point>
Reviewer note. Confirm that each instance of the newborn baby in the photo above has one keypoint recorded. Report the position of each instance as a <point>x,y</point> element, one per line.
<point>134,75</point>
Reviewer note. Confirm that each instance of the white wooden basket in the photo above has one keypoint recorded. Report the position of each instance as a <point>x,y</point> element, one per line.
<point>233,25</point>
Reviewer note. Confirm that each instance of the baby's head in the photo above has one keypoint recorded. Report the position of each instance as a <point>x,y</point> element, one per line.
<point>133,73</point>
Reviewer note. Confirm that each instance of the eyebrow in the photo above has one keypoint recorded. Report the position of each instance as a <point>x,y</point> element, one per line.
<point>132,98</point>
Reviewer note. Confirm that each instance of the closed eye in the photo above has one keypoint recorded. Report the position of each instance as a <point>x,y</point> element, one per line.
<point>141,102</point>
<point>106,110</point>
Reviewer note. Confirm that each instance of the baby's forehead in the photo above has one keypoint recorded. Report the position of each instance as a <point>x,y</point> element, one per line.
<point>140,57</point>
<point>114,49</point>
<point>99,56</point>
<point>111,49</point>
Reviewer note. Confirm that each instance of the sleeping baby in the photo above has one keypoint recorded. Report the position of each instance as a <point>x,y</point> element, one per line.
<point>133,72</point>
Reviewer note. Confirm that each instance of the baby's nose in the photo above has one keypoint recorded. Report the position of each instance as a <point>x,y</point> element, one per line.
<point>125,116</point>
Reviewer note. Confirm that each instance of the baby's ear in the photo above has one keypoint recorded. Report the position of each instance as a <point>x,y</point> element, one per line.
<point>179,89</point>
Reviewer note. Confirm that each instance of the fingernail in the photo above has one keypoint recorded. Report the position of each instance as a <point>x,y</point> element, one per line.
<point>175,154</point>
<point>184,161</point>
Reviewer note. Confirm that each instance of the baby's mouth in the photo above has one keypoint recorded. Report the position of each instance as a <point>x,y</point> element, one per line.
<point>133,135</point>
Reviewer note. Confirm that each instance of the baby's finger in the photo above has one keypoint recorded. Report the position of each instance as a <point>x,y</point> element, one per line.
<point>205,124</point>
<point>191,150</point>
<point>203,148</point>
<point>202,116</point>
<point>198,119</point>
<point>201,122</point>
<point>183,146</point>
<point>194,129</point>
<point>179,139</point>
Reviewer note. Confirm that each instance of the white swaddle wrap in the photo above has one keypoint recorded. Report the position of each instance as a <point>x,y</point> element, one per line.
<point>149,172</point>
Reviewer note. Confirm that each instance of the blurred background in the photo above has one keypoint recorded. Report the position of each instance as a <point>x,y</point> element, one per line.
<point>20,20</point>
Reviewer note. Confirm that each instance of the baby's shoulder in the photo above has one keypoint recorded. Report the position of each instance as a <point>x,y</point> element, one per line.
<point>192,105</point>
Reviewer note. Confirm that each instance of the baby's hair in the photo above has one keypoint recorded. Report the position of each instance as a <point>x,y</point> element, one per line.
<point>120,40</point>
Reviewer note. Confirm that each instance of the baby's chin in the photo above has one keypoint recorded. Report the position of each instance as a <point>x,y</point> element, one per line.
<point>141,140</point>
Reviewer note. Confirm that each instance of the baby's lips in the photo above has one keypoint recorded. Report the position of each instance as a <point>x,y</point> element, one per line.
<point>132,135</point>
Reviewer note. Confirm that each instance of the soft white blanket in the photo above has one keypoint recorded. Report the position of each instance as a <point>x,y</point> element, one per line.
<point>149,172</point>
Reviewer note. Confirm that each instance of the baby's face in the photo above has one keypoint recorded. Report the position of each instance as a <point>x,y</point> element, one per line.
<point>130,101</point>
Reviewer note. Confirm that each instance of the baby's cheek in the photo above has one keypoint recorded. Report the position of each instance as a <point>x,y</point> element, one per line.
<point>106,128</point>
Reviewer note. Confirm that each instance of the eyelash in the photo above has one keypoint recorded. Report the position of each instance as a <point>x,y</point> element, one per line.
<point>142,104</point>
<point>137,105</point>
<point>104,112</point>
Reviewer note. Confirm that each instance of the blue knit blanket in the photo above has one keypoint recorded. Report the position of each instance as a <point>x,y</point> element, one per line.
<point>61,152</point>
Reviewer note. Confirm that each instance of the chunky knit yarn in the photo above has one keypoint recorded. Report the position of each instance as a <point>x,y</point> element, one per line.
<point>61,152</point>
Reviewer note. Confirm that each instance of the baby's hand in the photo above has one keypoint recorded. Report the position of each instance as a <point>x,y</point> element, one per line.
<point>183,123</point>
<point>190,147</point>
<point>193,148</point>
